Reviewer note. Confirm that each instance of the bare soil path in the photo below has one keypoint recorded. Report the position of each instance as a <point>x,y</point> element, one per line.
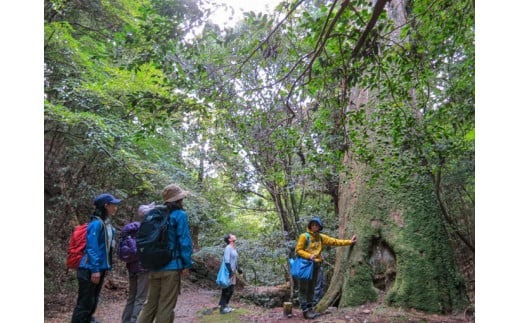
<point>112,302</point>
<point>198,304</point>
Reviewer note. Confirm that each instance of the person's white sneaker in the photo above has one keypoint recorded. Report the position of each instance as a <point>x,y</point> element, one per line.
<point>226,310</point>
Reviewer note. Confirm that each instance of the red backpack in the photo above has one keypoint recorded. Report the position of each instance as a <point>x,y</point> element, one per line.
<point>77,243</point>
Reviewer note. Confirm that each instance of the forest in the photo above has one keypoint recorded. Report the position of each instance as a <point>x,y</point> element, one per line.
<point>359,112</point>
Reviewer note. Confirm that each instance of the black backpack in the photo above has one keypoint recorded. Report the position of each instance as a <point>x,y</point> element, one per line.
<point>152,239</point>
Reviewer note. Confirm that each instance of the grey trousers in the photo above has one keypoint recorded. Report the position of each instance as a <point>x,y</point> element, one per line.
<point>306,289</point>
<point>137,289</point>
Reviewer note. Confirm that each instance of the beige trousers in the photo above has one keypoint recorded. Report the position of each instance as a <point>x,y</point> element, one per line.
<point>163,290</point>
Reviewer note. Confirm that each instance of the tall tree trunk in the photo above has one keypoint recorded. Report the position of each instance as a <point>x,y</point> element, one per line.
<point>347,196</point>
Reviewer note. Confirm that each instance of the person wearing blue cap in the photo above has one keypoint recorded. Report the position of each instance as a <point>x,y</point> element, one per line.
<point>97,257</point>
<point>309,246</point>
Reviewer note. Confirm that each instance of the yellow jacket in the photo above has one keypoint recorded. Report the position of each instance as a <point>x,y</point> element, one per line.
<point>315,246</point>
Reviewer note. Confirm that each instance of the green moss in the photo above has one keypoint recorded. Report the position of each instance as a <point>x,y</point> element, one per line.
<point>358,288</point>
<point>410,223</point>
<point>212,315</point>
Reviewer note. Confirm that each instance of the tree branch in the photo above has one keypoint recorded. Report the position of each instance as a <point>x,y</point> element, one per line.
<point>270,34</point>
<point>378,9</point>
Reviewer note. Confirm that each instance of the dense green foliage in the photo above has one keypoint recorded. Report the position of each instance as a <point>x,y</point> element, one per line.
<point>257,122</point>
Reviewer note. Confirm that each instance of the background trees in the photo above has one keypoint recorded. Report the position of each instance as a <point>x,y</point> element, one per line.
<point>361,113</point>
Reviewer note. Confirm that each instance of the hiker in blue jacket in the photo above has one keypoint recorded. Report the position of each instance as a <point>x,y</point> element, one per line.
<point>97,257</point>
<point>164,285</point>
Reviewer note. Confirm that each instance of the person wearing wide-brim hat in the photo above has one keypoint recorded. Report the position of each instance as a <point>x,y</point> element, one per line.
<point>164,284</point>
<point>309,246</point>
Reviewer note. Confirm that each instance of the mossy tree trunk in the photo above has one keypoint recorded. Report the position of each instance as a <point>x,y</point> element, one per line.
<point>403,251</point>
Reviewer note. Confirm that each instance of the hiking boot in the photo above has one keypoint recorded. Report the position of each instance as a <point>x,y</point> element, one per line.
<point>226,310</point>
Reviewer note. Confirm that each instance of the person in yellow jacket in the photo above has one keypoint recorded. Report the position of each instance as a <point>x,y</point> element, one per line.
<point>311,249</point>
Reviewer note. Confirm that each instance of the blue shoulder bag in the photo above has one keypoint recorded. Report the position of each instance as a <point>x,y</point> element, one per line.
<point>301,268</point>
<point>223,276</point>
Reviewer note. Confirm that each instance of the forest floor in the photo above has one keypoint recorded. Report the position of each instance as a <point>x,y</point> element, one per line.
<point>198,304</point>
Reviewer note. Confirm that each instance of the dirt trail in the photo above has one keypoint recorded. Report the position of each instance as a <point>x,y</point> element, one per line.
<point>112,302</point>
<point>198,304</point>
<point>194,305</point>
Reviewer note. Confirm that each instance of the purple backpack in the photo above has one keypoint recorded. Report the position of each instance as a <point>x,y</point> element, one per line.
<point>127,249</point>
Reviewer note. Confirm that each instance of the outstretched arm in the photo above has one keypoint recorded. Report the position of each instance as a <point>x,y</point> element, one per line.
<point>329,241</point>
